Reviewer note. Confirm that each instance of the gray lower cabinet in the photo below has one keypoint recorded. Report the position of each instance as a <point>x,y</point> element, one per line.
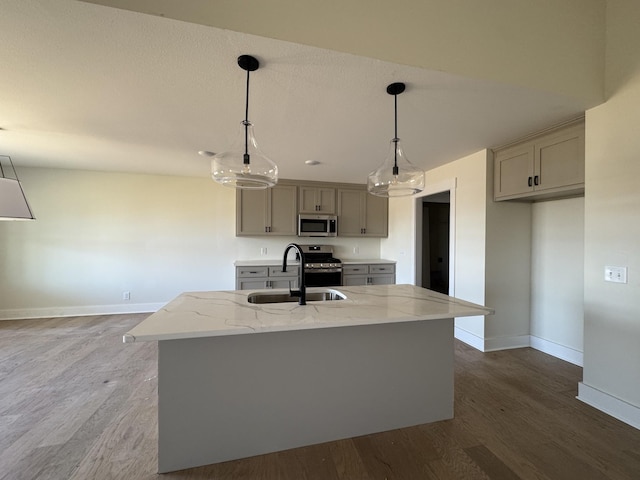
<point>261,277</point>
<point>369,274</point>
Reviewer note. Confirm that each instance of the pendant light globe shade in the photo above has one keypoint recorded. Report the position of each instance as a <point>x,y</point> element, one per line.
<point>396,177</point>
<point>251,170</point>
<point>244,166</point>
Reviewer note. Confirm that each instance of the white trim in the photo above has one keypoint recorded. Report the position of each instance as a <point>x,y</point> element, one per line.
<point>562,352</point>
<point>623,411</point>
<point>79,311</point>
<point>506,343</point>
<point>490,344</point>
<point>469,338</point>
<point>520,341</point>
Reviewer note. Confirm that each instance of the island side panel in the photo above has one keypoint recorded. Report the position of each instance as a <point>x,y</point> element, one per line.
<point>223,398</point>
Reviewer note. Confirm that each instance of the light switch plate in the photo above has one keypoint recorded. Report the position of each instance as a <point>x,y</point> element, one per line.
<point>615,274</point>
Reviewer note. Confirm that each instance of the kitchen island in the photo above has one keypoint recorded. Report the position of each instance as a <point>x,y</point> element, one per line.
<point>237,379</point>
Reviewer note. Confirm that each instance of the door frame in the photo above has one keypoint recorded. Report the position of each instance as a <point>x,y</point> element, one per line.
<point>440,187</point>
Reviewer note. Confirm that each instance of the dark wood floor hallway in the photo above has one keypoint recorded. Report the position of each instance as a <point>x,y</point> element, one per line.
<point>76,403</point>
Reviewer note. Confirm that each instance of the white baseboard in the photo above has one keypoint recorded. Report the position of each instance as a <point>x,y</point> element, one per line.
<point>519,341</point>
<point>469,338</point>
<point>623,411</point>
<point>559,351</point>
<point>506,343</point>
<point>79,311</point>
<point>490,344</point>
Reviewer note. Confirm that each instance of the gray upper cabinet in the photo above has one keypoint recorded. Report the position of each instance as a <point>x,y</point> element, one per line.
<point>320,200</point>
<point>546,166</point>
<point>361,214</point>
<point>267,212</point>
<point>274,211</point>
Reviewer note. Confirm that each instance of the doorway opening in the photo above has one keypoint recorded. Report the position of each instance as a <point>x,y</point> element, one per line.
<point>435,238</point>
<point>436,214</point>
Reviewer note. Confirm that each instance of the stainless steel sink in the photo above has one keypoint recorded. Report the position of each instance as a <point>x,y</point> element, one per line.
<point>284,297</point>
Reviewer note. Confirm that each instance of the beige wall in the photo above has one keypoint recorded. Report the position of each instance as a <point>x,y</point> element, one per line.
<point>468,176</point>
<point>99,234</point>
<point>508,269</point>
<point>491,251</point>
<point>557,273</point>
<point>612,221</point>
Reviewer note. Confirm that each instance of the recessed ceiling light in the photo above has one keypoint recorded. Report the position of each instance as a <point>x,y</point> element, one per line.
<point>312,162</point>
<point>206,153</point>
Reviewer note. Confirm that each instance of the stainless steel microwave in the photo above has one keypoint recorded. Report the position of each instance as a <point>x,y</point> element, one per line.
<point>317,225</point>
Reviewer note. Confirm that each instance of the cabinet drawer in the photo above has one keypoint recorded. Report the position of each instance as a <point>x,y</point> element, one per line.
<point>355,269</point>
<point>252,272</point>
<point>277,271</point>
<point>382,268</point>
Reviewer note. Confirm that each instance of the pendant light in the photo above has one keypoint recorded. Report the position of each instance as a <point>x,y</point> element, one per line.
<point>245,166</point>
<point>13,203</point>
<point>396,177</point>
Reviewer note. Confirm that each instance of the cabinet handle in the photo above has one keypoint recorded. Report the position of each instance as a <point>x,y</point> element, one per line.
<point>530,182</point>
<point>535,180</point>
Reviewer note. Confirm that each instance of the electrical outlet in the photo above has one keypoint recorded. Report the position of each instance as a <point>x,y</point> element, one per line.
<point>263,251</point>
<point>356,250</point>
<point>615,274</point>
<point>126,295</point>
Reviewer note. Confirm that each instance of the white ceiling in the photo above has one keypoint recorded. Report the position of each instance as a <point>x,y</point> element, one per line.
<point>90,87</point>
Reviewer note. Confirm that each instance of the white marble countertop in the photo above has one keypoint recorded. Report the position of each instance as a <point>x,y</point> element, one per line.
<point>264,263</point>
<point>207,314</point>
<point>368,261</point>
<point>271,263</point>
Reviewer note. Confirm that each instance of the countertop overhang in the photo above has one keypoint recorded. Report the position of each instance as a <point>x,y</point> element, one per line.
<point>221,313</point>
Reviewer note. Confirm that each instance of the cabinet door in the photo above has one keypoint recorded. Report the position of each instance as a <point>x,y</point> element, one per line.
<point>326,198</point>
<point>383,279</point>
<point>282,210</point>
<point>513,171</point>
<point>317,200</point>
<point>560,161</point>
<point>352,280</point>
<point>351,207</point>
<point>376,216</point>
<point>284,282</point>
<point>252,283</point>
<point>251,212</point>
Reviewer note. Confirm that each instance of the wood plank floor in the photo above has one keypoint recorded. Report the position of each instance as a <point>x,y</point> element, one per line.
<point>76,403</point>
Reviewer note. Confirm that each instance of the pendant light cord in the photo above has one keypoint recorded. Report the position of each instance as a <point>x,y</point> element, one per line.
<point>395,137</point>
<point>246,125</point>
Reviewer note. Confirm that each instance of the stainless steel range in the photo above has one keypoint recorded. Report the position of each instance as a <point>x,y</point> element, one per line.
<point>321,269</point>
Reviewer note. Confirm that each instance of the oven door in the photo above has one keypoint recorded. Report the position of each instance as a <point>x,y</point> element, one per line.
<point>323,277</point>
